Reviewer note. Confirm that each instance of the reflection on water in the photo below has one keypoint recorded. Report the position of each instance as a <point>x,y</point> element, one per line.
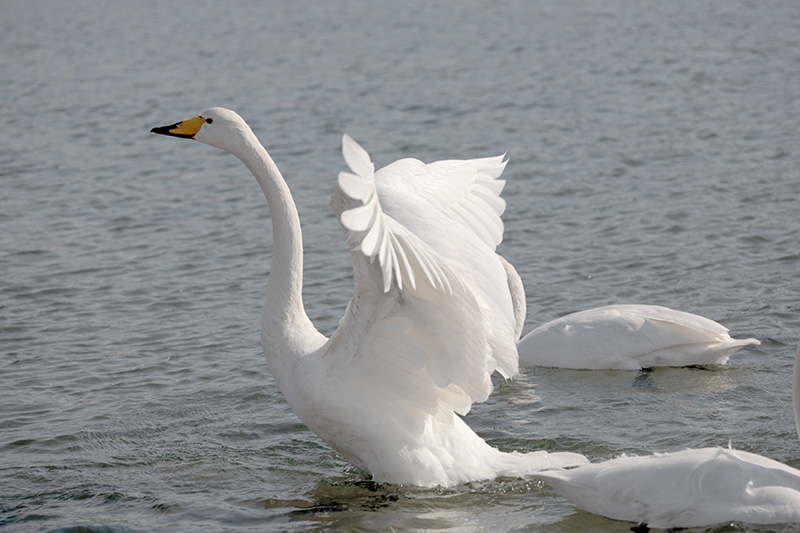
<point>341,495</point>
<point>644,380</point>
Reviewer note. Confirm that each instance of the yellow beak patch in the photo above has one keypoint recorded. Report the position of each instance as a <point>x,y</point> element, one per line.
<point>186,128</point>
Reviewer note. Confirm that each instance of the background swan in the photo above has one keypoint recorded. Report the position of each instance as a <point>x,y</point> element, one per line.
<point>431,316</point>
<point>628,337</point>
<point>690,488</point>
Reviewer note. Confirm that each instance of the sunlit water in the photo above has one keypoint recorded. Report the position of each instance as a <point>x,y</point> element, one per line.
<point>654,154</point>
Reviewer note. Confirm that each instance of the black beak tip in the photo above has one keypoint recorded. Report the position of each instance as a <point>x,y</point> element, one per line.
<point>169,130</point>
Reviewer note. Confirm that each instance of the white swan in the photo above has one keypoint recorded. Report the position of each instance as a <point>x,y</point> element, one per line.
<point>628,337</point>
<point>690,488</point>
<point>431,316</point>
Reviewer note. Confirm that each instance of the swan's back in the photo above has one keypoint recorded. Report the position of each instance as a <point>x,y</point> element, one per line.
<point>690,488</point>
<point>628,337</point>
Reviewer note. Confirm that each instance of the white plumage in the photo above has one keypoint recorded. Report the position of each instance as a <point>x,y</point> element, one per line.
<point>689,488</point>
<point>431,316</point>
<point>628,337</point>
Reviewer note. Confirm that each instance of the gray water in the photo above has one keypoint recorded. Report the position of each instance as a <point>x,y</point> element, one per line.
<point>654,154</point>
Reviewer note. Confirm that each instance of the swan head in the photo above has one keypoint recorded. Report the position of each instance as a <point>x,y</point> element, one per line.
<point>216,126</point>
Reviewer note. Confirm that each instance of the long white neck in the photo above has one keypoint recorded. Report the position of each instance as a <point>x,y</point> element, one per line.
<point>286,330</point>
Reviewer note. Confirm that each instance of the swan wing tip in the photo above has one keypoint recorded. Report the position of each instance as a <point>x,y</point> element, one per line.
<point>357,157</point>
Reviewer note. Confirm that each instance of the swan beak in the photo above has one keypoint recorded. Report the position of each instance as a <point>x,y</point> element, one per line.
<point>187,128</point>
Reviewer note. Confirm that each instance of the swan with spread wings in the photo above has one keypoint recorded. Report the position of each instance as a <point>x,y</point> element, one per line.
<point>430,320</point>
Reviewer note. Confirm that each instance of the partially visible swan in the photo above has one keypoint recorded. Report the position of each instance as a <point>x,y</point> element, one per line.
<point>628,337</point>
<point>690,488</point>
<point>430,320</point>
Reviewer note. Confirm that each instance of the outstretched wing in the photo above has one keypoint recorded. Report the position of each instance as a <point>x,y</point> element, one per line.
<point>465,192</point>
<point>424,323</point>
<point>401,255</point>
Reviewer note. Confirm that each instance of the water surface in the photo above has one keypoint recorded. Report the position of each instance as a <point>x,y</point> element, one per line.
<point>654,154</point>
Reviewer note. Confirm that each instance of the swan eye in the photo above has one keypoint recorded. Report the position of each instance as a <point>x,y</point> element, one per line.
<point>209,120</point>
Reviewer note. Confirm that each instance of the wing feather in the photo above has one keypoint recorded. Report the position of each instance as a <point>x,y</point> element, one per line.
<point>399,252</point>
<point>424,327</point>
<point>464,191</point>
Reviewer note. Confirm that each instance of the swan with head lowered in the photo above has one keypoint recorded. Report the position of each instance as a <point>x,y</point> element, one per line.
<point>689,488</point>
<point>430,320</point>
<point>620,337</point>
<point>628,337</point>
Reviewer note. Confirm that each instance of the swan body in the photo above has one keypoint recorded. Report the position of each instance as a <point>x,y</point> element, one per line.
<point>628,337</point>
<point>689,488</point>
<point>430,320</point>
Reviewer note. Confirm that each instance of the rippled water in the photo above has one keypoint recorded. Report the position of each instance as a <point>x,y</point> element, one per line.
<point>654,154</point>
